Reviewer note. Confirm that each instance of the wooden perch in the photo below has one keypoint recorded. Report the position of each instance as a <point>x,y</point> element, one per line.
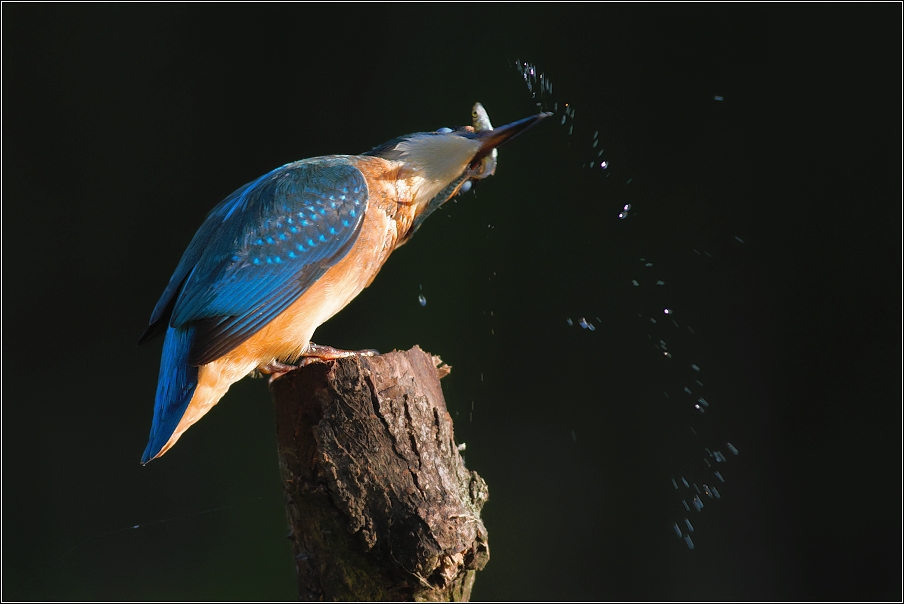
<point>380,504</point>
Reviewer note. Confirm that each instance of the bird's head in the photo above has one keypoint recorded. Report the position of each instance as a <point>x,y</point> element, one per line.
<point>437,164</point>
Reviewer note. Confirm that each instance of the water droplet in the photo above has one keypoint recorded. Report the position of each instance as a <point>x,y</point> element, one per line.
<point>703,402</point>
<point>717,98</point>
<point>634,282</point>
<point>604,165</point>
<point>627,207</point>
<point>667,311</point>
<point>739,239</point>
<point>648,264</point>
<point>422,300</point>
<point>684,482</point>
<point>622,215</point>
<point>686,389</point>
<point>690,527</point>
<point>674,484</point>
<point>569,322</point>
<point>667,354</point>
<point>698,504</point>
<point>719,476</point>
<point>689,541</point>
<point>732,448</point>
<point>660,283</point>
<point>677,530</point>
<point>686,506</point>
<point>716,493</point>
<point>695,368</point>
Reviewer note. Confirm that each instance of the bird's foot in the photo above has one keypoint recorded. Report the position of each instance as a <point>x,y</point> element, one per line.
<point>312,353</point>
<point>276,370</point>
<point>315,352</point>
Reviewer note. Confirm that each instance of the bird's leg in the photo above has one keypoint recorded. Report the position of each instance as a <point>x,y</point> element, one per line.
<point>312,353</point>
<point>315,352</point>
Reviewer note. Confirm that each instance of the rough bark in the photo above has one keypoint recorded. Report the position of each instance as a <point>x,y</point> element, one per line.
<point>379,501</point>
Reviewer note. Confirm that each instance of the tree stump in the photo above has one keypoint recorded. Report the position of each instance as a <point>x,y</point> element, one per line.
<point>379,501</point>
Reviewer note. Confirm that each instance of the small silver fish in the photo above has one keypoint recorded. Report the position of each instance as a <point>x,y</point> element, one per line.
<point>481,122</point>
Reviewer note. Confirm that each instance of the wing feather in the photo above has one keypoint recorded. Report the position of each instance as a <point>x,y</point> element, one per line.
<point>260,249</point>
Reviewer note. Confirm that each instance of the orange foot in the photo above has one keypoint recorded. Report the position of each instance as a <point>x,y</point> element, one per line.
<point>313,353</point>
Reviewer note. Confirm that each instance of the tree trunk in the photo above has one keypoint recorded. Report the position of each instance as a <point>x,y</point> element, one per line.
<point>380,504</point>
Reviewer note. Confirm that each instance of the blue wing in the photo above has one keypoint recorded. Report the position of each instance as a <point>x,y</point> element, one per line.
<point>259,250</point>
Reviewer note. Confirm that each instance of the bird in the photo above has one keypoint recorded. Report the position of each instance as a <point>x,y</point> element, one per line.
<point>285,252</point>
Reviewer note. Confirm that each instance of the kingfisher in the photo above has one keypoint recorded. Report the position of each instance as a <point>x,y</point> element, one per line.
<point>284,253</point>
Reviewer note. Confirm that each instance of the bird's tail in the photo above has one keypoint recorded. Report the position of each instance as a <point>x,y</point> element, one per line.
<point>175,388</point>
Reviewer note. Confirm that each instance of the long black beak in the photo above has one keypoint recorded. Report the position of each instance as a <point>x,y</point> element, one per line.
<point>490,139</point>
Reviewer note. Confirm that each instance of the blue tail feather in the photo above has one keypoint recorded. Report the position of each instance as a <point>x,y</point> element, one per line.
<point>175,387</point>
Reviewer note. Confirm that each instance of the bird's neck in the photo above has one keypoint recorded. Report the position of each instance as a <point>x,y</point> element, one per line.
<point>403,194</point>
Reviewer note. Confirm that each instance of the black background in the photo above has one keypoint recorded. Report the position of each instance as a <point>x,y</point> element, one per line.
<point>123,125</point>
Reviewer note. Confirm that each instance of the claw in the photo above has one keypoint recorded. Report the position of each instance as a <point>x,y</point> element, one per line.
<point>276,370</point>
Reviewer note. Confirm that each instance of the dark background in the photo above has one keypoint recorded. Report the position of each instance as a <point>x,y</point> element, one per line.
<point>124,125</point>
